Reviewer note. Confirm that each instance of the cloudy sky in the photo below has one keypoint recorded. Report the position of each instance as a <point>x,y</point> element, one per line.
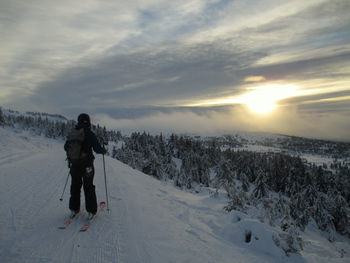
<point>196,66</point>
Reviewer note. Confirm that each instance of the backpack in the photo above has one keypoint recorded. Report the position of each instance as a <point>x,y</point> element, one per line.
<point>74,145</point>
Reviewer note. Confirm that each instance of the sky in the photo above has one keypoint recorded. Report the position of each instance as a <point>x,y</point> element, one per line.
<point>186,66</point>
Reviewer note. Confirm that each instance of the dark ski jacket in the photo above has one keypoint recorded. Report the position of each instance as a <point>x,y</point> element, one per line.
<point>90,143</point>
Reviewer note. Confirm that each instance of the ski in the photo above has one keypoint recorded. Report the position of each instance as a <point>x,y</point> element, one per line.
<point>71,219</point>
<point>85,227</point>
<point>68,221</point>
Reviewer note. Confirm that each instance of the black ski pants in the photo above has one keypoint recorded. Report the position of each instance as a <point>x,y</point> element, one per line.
<point>81,176</point>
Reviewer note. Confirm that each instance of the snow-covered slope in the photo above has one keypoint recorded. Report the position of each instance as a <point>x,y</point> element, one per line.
<point>150,220</point>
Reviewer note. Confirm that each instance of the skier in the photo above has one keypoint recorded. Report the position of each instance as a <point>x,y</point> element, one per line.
<point>82,170</point>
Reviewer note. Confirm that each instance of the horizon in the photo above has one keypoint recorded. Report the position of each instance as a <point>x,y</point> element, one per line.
<point>168,133</point>
<point>210,67</point>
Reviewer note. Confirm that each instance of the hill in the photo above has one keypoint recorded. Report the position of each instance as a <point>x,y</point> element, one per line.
<point>281,195</point>
<point>150,220</point>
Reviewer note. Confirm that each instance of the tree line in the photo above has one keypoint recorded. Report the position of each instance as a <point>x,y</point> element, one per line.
<point>291,191</point>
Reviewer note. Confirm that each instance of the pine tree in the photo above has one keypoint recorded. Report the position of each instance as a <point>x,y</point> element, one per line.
<point>299,211</point>
<point>237,199</point>
<point>341,215</point>
<point>2,118</point>
<point>261,189</point>
<point>322,216</point>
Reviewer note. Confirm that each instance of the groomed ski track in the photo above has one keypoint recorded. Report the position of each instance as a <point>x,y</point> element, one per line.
<point>149,220</point>
<point>137,229</point>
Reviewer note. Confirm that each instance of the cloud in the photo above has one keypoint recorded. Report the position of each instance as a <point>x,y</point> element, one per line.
<point>40,39</point>
<point>168,75</point>
<point>338,95</point>
<point>323,66</point>
<point>287,120</point>
<point>178,120</point>
<point>150,84</point>
<point>254,79</point>
<point>141,62</point>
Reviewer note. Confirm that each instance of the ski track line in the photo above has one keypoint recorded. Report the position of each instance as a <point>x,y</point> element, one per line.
<point>95,245</point>
<point>70,241</point>
<point>130,246</point>
<point>111,242</point>
<point>108,230</point>
<point>121,231</point>
<point>119,210</point>
<point>109,250</point>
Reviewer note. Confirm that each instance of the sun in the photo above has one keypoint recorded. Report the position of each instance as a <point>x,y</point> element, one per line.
<point>261,106</point>
<point>259,99</point>
<point>262,99</point>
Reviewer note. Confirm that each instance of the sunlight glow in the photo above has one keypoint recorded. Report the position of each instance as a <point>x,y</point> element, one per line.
<point>263,99</point>
<point>260,99</point>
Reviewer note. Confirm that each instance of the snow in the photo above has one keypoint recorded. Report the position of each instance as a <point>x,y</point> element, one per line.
<point>149,221</point>
<point>178,162</point>
<point>258,136</point>
<point>317,159</point>
<point>258,148</point>
<point>50,117</point>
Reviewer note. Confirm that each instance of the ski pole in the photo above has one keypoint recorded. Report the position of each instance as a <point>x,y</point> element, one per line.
<point>104,171</point>
<point>64,189</point>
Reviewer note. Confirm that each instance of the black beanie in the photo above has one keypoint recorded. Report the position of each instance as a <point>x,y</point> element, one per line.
<point>84,118</point>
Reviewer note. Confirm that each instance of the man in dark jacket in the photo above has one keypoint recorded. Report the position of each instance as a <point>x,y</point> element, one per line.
<point>83,171</point>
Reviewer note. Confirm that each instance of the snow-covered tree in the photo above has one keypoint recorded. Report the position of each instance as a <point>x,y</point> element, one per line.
<point>2,118</point>
<point>261,189</point>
